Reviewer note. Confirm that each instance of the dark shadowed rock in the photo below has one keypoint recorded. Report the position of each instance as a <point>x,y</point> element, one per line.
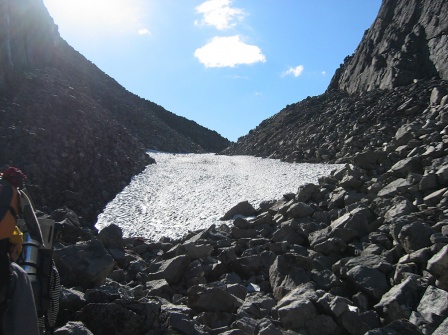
<point>244,208</point>
<point>287,272</point>
<point>73,328</point>
<point>212,299</point>
<point>86,264</point>
<point>368,280</point>
<point>105,319</point>
<point>171,270</point>
<point>401,300</point>
<point>111,237</point>
<point>399,327</point>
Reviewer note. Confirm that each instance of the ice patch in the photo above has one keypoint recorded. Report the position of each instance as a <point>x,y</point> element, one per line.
<point>187,192</point>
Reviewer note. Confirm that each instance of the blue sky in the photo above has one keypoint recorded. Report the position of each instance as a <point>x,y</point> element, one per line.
<point>227,65</point>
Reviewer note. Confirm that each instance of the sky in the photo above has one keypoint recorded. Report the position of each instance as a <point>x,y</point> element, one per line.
<point>227,65</point>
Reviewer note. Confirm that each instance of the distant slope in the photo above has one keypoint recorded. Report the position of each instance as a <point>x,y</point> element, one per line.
<point>78,135</point>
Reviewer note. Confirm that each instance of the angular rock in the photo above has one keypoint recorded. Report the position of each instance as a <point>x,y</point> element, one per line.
<point>289,232</point>
<point>438,267</point>
<point>215,320</point>
<point>104,319</point>
<point>334,306</point>
<point>257,306</point>
<point>398,327</point>
<point>171,270</point>
<point>85,264</point>
<point>368,280</point>
<point>244,208</point>
<point>204,298</point>
<point>398,186</point>
<point>442,329</point>
<point>321,325</point>
<point>295,314</point>
<point>159,288</point>
<point>307,192</point>
<point>353,323</point>
<point>287,272</point>
<point>246,324</point>
<point>435,197</point>
<point>406,166</point>
<point>355,220</point>
<point>197,251</point>
<point>299,210</point>
<point>433,307</point>
<point>415,236</point>
<point>183,323</point>
<point>111,237</point>
<point>401,300</point>
<point>73,328</point>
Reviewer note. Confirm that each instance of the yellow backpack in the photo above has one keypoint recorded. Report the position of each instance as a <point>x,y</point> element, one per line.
<point>9,208</point>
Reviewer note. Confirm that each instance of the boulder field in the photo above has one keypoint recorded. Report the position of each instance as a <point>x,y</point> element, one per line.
<point>364,251</point>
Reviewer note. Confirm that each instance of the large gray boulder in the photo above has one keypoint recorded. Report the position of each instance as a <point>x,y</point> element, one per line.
<point>171,270</point>
<point>371,281</point>
<point>438,267</point>
<point>243,208</point>
<point>203,298</point>
<point>287,272</point>
<point>401,300</point>
<point>73,328</point>
<point>86,264</point>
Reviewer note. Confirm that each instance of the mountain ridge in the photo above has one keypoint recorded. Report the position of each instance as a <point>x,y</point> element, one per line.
<point>410,66</point>
<point>75,131</point>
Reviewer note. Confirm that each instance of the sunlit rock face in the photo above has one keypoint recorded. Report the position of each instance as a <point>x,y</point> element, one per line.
<point>33,41</point>
<point>407,41</point>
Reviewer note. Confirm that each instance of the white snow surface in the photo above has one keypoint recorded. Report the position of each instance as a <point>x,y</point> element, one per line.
<point>187,192</point>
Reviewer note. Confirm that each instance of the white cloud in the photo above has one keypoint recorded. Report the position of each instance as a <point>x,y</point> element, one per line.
<point>324,73</point>
<point>144,31</point>
<point>294,71</point>
<point>228,52</point>
<point>219,14</point>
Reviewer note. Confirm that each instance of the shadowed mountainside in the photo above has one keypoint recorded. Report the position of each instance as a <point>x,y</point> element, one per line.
<point>78,135</point>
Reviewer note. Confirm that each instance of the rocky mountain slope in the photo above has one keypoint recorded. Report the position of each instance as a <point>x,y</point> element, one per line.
<point>393,67</point>
<point>362,252</point>
<point>76,133</point>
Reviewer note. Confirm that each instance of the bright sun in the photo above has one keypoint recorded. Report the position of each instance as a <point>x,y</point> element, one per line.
<point>117,16</point>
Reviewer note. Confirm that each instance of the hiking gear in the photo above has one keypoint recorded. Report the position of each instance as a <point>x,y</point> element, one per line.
<point>17,238</point>
<point>15,177</point>
<point>9,208</point>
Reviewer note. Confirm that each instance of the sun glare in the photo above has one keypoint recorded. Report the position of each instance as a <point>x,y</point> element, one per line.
<point>115,16</point>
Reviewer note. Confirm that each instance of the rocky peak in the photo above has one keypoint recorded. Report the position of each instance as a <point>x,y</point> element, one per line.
<point>78,134</point>
<point>34,41</point>
<point>407,41</point>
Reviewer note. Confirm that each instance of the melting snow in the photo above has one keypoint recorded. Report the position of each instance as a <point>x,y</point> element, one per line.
<point>186,192</point>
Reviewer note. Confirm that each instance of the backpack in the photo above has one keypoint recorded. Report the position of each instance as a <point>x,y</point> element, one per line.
<point>37,251</point>
<point>8,211</point>
<point>9,207</point>
<point>37,261</point>
<point>6,292</point>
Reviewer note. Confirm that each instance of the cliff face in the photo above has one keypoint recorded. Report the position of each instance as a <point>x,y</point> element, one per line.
<point>28,37</point>
<point>78,135</point>
<point>407,41</point>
